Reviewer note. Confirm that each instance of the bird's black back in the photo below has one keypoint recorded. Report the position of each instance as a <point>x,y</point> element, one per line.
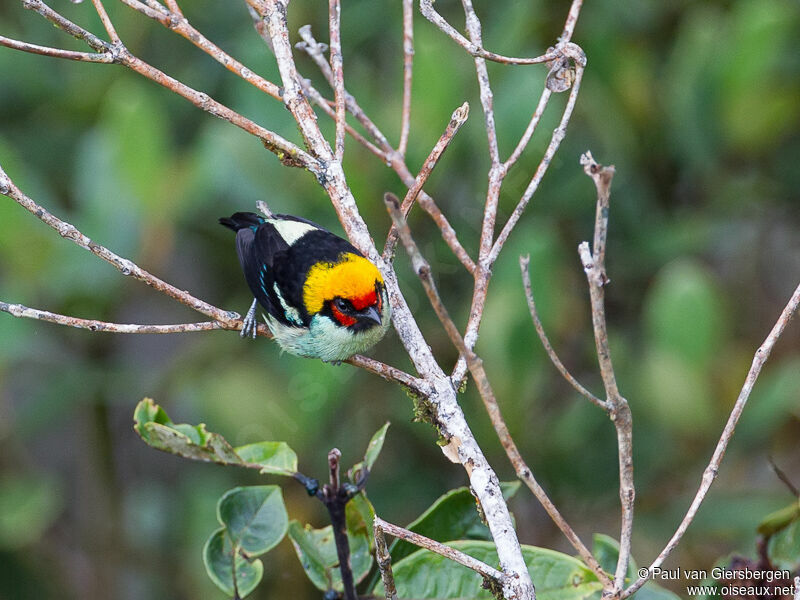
<point>268,259</point>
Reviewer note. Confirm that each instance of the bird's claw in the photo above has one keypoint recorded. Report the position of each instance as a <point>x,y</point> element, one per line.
<point>250,324</point>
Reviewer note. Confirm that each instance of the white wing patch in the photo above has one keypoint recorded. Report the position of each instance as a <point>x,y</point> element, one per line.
<point>291,231</point>
<point>291,313</point>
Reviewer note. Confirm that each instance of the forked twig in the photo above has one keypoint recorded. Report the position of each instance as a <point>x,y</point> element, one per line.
<point>475,365</point>
<point>617,406</point>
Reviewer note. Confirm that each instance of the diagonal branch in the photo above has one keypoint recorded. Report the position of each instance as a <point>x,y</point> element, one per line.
<point>458,118</point>
<point>475,365</point>
<point>174,20</point>
<point>289,153</point>
<point>524,261</point>
<point>123,265</point>
<point>710,472</point>
<point>439,548</point>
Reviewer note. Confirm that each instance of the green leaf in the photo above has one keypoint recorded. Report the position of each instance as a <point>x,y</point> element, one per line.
<point>371,455</point>
<point>453,516</point>
<point>784,547</point>
<point>197,443</point>
<point>779,519</point>
<point>557,576</point>
<point>316,550</point>
<point>606,550</point>
<point>254,516</point>
<point>274,457</point>
<point>218,558</point>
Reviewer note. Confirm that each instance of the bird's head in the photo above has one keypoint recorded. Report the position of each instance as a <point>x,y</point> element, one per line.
<point>349,291</point>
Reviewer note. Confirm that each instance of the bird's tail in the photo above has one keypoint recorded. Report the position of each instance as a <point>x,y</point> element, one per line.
<point>241,220</point>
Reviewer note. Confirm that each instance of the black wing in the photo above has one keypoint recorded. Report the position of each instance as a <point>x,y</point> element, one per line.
<point>260,247</point>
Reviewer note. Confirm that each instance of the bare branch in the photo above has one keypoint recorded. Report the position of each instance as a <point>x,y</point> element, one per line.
<point>572,19</point>
<point>458,118</point>
<point>526,137</point>
<point>177,22</point>
<point>125,266</point>
<point>107,24</point>
<point>438,548</point>
<point>384,560</point>
<point>524,261</point>
<point>173,7</point>
<point>427,10</point>
<point>576,54</point>
<point>475,365</point>
<point>20,311</point>
<point>710,473</point>
<point>335,20</point>
<point>102,57</point>
<point>389,373</point>
<point>618,409</point>
<point>487,97</point>
<point>408,69</point>
<point>289,153</point>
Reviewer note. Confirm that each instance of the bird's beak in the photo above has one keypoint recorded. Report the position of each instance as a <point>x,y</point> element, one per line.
<point>371,313</point>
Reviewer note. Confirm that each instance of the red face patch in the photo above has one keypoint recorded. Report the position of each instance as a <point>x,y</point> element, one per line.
<point>343,319</point>
<point>362,302</point>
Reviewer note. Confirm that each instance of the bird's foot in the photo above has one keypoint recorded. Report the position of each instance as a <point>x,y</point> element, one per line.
<point>250,324</point>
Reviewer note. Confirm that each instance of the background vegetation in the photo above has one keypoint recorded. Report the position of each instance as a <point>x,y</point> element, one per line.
<point>697,105</point>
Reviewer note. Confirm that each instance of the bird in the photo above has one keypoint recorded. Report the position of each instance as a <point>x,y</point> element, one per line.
<point>322,297</point>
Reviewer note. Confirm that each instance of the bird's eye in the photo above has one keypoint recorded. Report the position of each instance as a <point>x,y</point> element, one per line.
<point>341,304</point>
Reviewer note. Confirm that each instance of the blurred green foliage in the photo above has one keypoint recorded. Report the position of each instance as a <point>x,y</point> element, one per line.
<point>696,103</point>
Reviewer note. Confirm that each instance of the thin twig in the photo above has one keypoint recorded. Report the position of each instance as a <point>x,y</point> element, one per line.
<point>384,560</point>
<point>408,69</point>
<point>427,10</point>
<point>107,24</point>
<point>475,365</point>
<point>101,57</point>
<point>389,373</point>
<point>18,310</point>
<point>176,22</point>
<point>524,261</point>
<point>173,7</point>
<point>576,54</point>
<point>526,137</point>
<point>458,118</point>
<point>289,153</point>
<point>487,97</point>
<point>711,471</point>
<point>335,499</point>
<point>125,266</point>
<point>335,27</point>
<point>618,409</point>
<point>572,19</point>
<point>439,548</point>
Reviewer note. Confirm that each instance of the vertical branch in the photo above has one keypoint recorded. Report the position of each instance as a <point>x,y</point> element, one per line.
<point>335,21</point>
<point>335,499</point>
<point>619,411</point>
<point>384,560</point>
<point>408,65</point>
